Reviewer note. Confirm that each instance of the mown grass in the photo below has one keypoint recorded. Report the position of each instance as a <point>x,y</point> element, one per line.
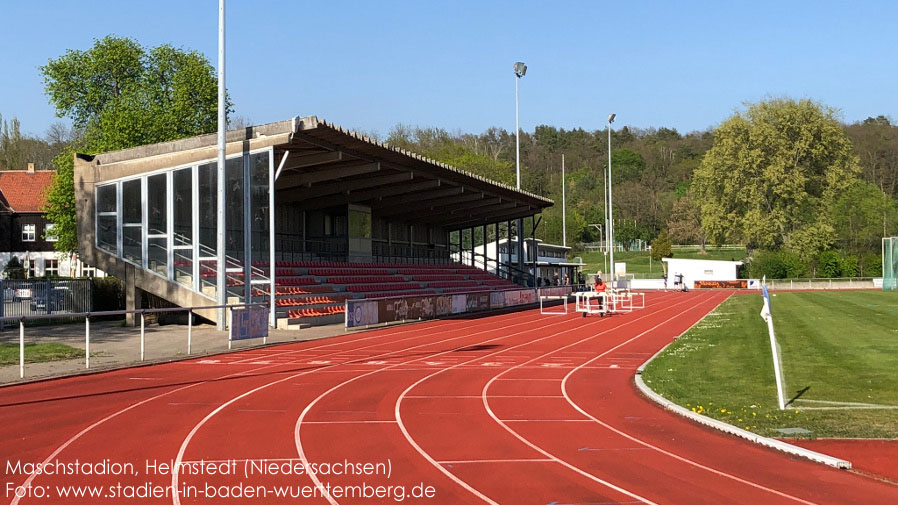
<point>38,353</point>
<point>836,347</point>
<point>640,262</point>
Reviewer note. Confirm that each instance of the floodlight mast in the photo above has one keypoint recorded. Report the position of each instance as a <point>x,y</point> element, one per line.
<point>221,267</point>
<point>520,69</point>
<point>610,229</point>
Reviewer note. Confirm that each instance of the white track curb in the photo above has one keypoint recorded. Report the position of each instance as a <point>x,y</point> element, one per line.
<point>733,430</point>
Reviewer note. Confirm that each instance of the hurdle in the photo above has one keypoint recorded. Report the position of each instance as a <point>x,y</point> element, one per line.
<point>584,306</point>
<point>545,311</point>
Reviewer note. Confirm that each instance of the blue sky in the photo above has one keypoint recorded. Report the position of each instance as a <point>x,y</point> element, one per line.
<point>369,65</point>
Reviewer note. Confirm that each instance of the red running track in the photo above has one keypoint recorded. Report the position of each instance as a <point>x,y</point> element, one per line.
<point>512,409</point>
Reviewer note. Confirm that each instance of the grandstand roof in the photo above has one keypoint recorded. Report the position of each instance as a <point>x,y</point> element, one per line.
<point>326,165</point>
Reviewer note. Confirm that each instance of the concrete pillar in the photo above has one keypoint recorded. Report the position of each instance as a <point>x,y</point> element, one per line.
<point>133,296</point>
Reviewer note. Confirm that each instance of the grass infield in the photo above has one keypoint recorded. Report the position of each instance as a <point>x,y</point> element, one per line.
<point>837,347</point>
<point>37,353</point>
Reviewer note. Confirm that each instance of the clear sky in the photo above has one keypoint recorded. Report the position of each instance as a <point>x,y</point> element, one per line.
<point>368,65</point>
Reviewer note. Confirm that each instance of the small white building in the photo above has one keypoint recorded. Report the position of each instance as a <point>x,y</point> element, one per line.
<point>693,271</point>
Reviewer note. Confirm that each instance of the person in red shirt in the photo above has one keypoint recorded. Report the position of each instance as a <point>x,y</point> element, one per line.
<point>600,287</point>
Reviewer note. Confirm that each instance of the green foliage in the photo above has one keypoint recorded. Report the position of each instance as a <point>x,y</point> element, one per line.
<point>60,205</point>
<point>863,215</point>
<point>14,269</point>
<point>124,95</point>
<point>626,165</point>
<point>829,264</point>
<point>776,265</point>
<point>108,294</point>
<point>773,174</point>
<point>870,265</point>
<point>661,246</point>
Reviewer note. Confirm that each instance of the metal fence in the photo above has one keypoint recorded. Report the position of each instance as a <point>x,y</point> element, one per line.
<point>45,297</point>
<point>111,344</point>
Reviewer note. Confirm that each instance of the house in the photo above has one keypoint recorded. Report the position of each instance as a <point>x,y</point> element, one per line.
<point>25,231</point>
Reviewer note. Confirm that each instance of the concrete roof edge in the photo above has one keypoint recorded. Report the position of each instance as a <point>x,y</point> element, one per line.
<point>200,141</point>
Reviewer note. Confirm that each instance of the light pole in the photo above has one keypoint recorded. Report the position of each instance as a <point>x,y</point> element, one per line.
<point>520,69</point>
<point>563,207</point>
<point>610,229</point>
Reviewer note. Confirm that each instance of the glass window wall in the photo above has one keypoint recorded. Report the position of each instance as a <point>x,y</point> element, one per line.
<point>167,223</point>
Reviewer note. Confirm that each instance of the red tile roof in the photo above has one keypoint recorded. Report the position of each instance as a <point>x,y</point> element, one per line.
<point>24,191</point>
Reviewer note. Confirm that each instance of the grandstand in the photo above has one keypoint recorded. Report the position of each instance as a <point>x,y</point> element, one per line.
<point>352,218</point>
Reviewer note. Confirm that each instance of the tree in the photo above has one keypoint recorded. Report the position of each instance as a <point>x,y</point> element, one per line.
<point>661,246</point>
<point>685,223</point>
<point>122,95</point>
<point>862,216</point>
<point>772,176</point>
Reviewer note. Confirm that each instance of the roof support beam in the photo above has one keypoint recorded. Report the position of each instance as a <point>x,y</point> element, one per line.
<point>470,213</point>
<point>402,203</point>
<point>368,194</point>
<point>310,178</point>
<point>337,187</point>
<point>311,160</point>
<point>464,222</point>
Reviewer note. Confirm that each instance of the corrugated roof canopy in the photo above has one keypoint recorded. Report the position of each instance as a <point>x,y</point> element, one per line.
<point>328,166</point>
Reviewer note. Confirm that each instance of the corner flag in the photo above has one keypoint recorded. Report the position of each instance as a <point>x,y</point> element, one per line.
<point>774,347</point>
<point>765,310</point>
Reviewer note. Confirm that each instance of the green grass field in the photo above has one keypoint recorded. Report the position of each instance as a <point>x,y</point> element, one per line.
<point>837,347</point>
<point>638,262</point>
<point>37,353</point>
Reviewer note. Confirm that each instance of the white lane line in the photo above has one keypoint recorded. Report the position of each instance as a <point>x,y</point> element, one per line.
<point>439,397</point>
<point>476,461</point>
<point>542,451</point>
<point>427,455</point>
<point>544,420</point>
<point>413,332</point>
<point>385,421</point>
<point>297,430</point>
<point>663,451</point>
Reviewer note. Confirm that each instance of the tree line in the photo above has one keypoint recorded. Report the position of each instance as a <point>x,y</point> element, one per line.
<point>784,177</point>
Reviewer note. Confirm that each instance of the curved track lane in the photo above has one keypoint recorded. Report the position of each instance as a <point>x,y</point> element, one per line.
<point>511,409</point>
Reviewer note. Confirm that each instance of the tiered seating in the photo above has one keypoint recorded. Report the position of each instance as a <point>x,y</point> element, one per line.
<point>366,279</point>
<point>387,294</point>
<point>326,311</point>
<point>452,284</point>
<point>327,272</point>
<point>433,278</point>
<point>316,291</point>
<point>311,300</point>
<point>295,281</point>
<point>397,286</point>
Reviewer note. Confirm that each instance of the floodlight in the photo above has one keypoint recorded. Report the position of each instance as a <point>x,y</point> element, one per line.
<point>611,117</point>
<point>520,69</point>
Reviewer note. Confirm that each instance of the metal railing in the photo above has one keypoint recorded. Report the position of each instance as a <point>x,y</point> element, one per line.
<point>142,312</point>
<point>822,283</point>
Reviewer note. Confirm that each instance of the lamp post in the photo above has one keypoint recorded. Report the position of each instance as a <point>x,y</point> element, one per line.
<point>221,267</point>
<point>520,69</point>
<point>610,229</point>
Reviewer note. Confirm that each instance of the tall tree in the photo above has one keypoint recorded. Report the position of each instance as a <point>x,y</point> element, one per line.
<point>685,223</point>
<point>772,175</point>
<point>122,95</point>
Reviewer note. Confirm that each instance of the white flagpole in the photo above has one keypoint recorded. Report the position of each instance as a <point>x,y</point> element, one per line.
<point>777,372</point>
